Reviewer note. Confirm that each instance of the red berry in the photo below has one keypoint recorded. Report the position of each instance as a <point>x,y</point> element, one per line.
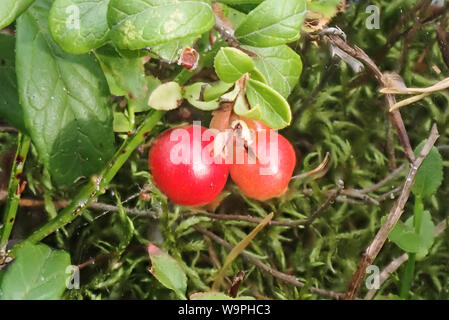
<point>268,173</point>
<point>184,169</point>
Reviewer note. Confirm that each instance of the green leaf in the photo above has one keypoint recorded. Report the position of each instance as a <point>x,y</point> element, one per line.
<point>211,93</point>
<point>281,66</point>
<point>140,106</point>
<point>10,108</point>
<point>272,23</point>
<point>11,9</point>
<point>274,109</point>
<point>192,94</point>
<point>430,174</point>
<point>121,123</point>
<point>65,101</point>
<point>125,75</point>
<point>404,236</point>
<point>136,24</point>
<point>167,270</point>
<point>242,108</point>
<point>231,64</point>
<point>79,25</point>
<point>170,51</point>
<point>328,8</point>
<point>37,273</point>
<point>214,90</point>
<point>167,96</point>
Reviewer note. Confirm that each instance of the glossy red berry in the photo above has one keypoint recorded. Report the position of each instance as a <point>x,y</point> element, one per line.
<point>268,164</point>
<point>183,167</point>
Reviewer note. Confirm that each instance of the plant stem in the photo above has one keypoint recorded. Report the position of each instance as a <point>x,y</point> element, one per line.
<point>14,188</point>
<point>97,184</point>
<point>409,270</point>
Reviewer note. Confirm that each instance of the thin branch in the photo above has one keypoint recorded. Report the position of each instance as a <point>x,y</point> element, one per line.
<point>394,265</point>
<point>395,115</point>
<point>385,180</point>
<point>235,217</point>
<point>395,214</point>
<point>15,189</point>
<point>274,272</point>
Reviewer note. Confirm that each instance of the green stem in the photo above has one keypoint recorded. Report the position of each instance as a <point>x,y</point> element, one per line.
<point>97,184</point>
<point>409,270</point>
<point>12,203</point>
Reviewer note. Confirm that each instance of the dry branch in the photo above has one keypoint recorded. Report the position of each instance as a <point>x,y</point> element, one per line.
<point>395,214</point>
<point>395,115</point>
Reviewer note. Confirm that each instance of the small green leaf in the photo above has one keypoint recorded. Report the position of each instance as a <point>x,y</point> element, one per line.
<point>167,96</point>
<point>242,108</point>
<point>167,270</point>
<point>272,23</point>
<point>37,273</point>
<point>121,122</point>
<point>281,66</point>
<point>192,94</point>
<point>211,94</point>
<point>11,9</point>
<point>10,108</point>
<point>231,64</point>
<point>404,236</point>
<point>79,25</point>
<point>430,174</point>
<point>214,90</point>
<point>274,109</point>
<point>136,24</point>
<point>65,101</point>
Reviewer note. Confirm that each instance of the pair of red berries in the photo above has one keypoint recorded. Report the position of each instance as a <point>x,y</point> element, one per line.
<point>192,180</point>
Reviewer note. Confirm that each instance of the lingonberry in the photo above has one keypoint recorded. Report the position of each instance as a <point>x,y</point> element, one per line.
<point>184,168</point>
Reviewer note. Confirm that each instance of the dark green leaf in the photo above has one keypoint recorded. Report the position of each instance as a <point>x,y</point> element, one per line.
<point>231,64</point>
<point>37,273</point>
<point>11,9</point>
<point>125,75</point>
<point>65,101</point>
<point>272,23</point>
<point>167,270</point>
<point>79,25</point>
<point>136,24</point>
<point>274,109</point>
<point>430,174</point>
<point>281,66</point>
<point>10,108</point>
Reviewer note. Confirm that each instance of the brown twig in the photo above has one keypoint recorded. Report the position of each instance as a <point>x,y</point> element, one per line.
<point>94,205</point>
<point>394,265</point>
<point>395,213</point>
<point>274,272</point>
<point>395,116</point>
<point>235,217</point>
